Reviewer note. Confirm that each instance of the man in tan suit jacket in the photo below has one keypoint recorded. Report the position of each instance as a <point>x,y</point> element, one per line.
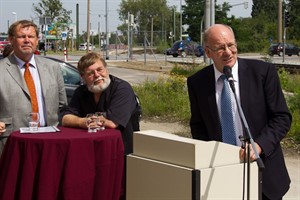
<point>15,100</point>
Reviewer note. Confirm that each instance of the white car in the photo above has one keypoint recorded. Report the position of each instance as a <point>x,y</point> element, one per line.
<point>83,47</point>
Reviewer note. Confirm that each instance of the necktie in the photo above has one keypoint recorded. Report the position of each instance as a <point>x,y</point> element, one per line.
<point>228,130</point>
<point>31,87</point>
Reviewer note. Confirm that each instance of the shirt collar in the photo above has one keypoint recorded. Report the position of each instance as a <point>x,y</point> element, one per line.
<point>21,62</point>
<point>234,72</point>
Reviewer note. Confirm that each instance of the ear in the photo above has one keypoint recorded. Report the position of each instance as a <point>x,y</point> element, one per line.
<point>207,52</point>
<point>82,79</point>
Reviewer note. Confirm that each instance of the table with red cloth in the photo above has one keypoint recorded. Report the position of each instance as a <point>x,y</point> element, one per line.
<point>71,164</point>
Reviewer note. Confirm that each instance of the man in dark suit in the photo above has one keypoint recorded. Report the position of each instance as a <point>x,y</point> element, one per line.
<point>15,97</point>
<point>259,92</point>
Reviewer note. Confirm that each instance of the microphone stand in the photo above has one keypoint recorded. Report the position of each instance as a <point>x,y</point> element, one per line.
<point>249,140</point>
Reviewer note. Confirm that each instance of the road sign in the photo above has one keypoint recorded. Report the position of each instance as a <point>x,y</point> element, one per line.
<point>64,35</point>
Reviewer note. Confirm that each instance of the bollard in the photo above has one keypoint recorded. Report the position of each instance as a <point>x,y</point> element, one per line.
<point>65,54</point>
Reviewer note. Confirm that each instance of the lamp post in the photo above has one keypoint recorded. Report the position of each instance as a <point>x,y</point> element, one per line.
<point>16,17</point>
<point>106,30</point>
<point>88,27</point>
<point>99,33</point>
<point>180,21</point>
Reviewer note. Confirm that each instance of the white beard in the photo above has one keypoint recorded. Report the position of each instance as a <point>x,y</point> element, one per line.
<point>99,88</point>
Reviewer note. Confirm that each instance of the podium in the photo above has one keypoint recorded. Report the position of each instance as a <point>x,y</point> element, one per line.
<point>165,166</point>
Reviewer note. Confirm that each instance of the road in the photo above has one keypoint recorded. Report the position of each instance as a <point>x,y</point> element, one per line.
<point>131,75</point>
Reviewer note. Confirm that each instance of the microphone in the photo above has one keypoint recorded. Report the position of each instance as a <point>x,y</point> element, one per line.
<point>229,77</point>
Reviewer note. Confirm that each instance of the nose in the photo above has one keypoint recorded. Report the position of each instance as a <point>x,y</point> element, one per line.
<point>96,73</point>
<point>26,38</point>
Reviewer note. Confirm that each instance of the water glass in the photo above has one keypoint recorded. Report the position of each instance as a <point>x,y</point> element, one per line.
<point>92,122</point>
<point>101,118</point>
<point>33,121</point>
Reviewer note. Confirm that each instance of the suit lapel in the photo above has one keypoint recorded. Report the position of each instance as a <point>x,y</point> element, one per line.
<point>14,71</point>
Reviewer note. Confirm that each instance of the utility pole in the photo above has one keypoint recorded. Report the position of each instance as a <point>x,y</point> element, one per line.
<point>151,31</point>
<point>180,21</point>
<point>88,27</point>
<point>174,25</point>
<point>77,26</point>
<point>106,27</point>
<point>99,33</point>
<point>279,25</point>
<point>207,23</point>
<point>212,12</point>
<point>128,36</point>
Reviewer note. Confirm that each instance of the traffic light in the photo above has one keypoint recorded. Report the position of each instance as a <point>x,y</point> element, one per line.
<point>286,19</point>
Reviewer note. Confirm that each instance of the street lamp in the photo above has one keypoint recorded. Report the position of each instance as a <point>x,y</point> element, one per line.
<point>15,14</point>
<point>244,3</point>
<point>99,33</point>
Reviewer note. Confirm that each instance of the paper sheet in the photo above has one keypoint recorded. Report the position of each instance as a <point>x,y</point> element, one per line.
<point>46,129</point>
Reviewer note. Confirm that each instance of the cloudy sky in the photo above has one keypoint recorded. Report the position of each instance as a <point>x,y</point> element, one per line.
<point>22,9</point>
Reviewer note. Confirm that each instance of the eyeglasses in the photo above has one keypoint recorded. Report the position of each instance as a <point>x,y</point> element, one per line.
<point>91,73</point>
<point>222,49</point>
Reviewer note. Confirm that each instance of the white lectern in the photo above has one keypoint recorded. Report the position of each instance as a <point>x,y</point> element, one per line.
<point>165,166</point>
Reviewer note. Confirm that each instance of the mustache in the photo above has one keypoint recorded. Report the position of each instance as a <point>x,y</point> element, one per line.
<point>98,79</point>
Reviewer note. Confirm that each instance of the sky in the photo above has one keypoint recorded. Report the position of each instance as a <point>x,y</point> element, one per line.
<point>10,10</point>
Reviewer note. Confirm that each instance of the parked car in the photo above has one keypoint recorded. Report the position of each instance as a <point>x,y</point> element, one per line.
<point>277,49</point>
<point>3,44</point>
<point>72,78</point>
<point>189,48</point>
<point>83,47</point>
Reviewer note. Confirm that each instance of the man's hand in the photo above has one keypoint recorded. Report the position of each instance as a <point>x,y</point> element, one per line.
<point>2,128</point>
<point>244,152</point>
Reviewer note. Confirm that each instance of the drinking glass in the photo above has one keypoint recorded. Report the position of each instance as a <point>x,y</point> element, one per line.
<point>33,119</point>
<point>92,122</point>
<point>101,118</point>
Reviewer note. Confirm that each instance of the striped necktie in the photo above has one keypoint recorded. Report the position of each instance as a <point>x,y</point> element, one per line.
<point>31,87</point>
<point>228,130</point>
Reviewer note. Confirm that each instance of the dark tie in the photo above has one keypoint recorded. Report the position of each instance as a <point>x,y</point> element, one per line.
<point>228,130</point>
<point>31,87</point>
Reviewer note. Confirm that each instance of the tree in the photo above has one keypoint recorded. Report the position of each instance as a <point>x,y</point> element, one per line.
<point>144,12</point>
<point>53,9</point>
<point>267,8</point>
<point>193,15</point>
<point>59,16</point>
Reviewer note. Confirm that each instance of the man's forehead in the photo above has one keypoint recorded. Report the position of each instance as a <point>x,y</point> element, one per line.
<point>96,65</point>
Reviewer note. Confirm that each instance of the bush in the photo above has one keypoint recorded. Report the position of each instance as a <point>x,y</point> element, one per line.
<point>291,85</point>
<point>186,70</point>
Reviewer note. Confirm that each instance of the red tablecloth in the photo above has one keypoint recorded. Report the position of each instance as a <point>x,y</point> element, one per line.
<point>71,164</point>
